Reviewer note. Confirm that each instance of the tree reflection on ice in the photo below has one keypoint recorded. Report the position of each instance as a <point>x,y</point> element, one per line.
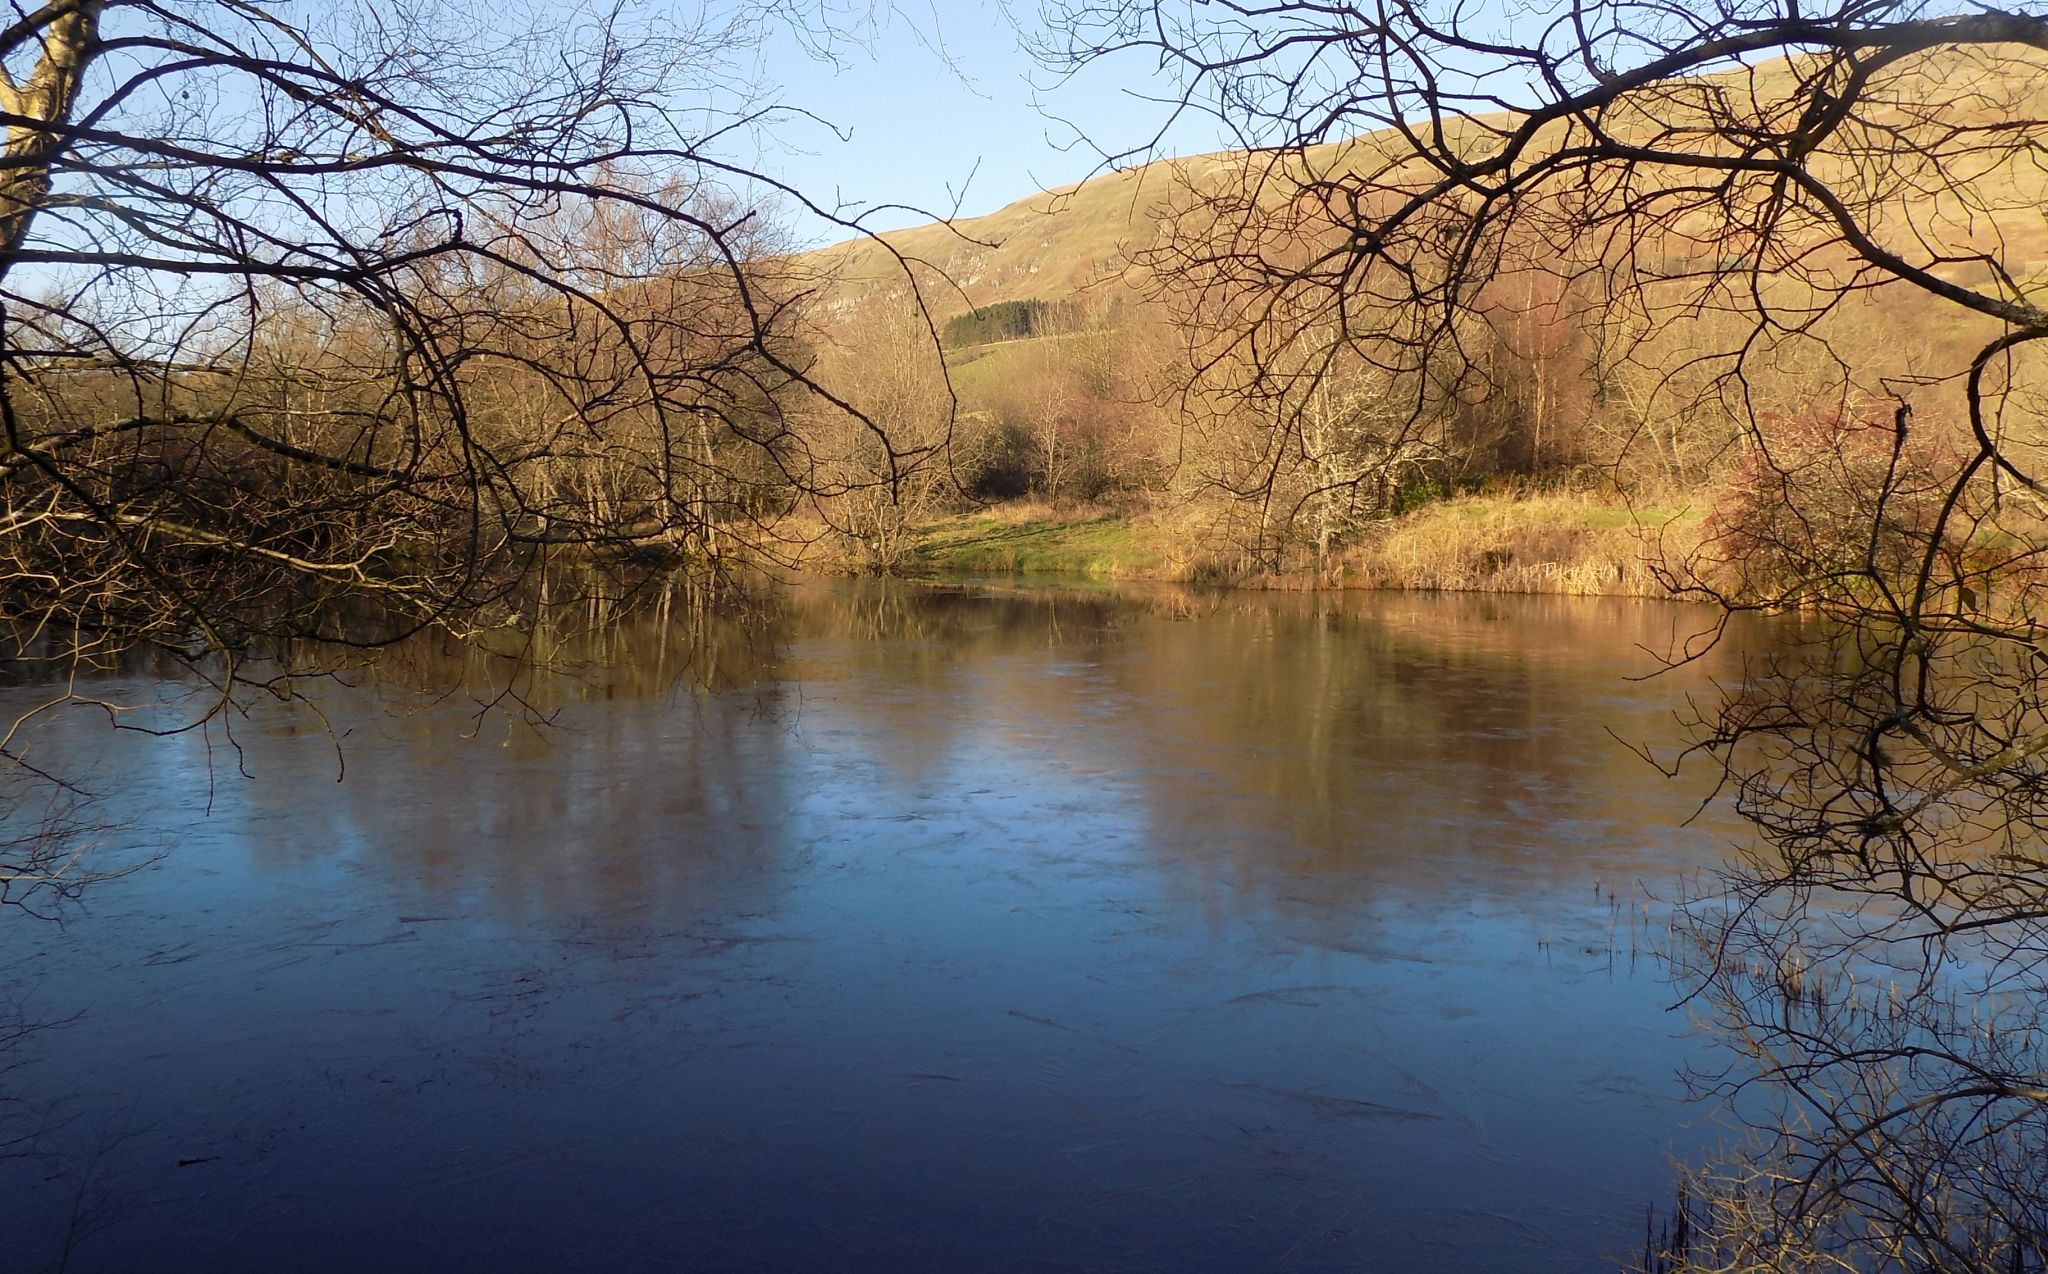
<point>951,929</point>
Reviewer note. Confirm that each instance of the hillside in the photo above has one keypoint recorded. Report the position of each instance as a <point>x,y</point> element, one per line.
<point>1598,373</point>
<point>1051,245</point>
<point>1073,239</point>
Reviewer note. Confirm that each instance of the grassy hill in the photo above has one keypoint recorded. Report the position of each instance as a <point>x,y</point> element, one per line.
<point>1935,168</point>
<point>1065,242</point>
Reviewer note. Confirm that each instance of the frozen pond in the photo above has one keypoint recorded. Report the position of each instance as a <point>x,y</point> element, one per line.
<point>958,929</point>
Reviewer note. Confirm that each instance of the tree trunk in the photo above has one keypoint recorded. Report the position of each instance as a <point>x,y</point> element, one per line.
<point>69,43</point>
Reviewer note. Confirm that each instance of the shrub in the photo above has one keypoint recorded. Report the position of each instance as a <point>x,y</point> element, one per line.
<point>1826,504</point>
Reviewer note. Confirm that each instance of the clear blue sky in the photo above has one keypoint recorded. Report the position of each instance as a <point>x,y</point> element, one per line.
<point>945,107</point>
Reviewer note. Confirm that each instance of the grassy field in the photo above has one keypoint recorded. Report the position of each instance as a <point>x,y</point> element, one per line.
<point>1036,540</point>
<point>981,370</point>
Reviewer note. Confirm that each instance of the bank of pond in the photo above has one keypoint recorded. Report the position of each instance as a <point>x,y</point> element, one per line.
<point>1554,543</point>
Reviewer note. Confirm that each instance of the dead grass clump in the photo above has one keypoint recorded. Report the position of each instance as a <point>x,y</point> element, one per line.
<point>1564,544</point>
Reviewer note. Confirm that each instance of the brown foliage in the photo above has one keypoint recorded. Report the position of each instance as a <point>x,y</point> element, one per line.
<point>1827,498</point>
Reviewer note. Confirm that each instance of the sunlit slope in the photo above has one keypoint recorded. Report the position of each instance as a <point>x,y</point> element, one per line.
<point>1052,245</point>
<point>1936,166</point>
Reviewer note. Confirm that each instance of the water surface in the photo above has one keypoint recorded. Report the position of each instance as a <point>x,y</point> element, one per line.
<point>953,929</point>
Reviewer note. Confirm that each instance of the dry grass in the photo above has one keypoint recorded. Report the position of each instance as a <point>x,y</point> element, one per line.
<point>1032,537</point>
<point>1563,544</point>
<point>1571,544</point>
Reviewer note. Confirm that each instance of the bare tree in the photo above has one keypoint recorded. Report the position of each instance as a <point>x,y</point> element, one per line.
<point>322,326</point>
<point>1813,232</point>
<point>879,481</point>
